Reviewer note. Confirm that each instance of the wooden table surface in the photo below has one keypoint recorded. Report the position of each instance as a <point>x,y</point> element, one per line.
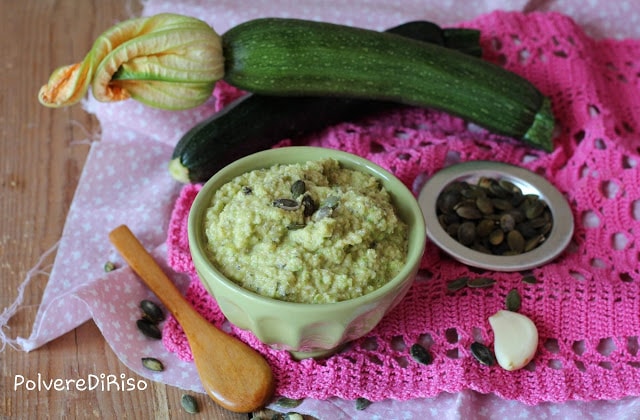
<point>42,154</point>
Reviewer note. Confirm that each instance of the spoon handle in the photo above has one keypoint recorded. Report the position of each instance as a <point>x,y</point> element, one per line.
<point>234,375</point>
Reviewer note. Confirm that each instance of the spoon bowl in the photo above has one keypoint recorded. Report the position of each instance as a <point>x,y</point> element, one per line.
<point>234,375</point>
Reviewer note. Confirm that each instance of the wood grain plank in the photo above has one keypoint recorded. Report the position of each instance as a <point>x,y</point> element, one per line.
<point>42,153</point>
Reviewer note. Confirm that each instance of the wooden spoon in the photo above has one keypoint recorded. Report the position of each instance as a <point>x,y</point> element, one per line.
<point>234,375</point>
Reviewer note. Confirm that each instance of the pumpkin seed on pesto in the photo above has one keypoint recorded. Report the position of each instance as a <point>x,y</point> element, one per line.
<point>313,232</point>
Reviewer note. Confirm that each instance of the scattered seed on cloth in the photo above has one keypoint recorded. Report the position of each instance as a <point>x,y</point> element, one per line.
<point>151,311</point>
<point>513,300</point>
<point>457,284</point>
<point>152,364</point>
<point>482,354</point>
<point>149,329</point>
<point>480,282</point>
<point>420,354</point>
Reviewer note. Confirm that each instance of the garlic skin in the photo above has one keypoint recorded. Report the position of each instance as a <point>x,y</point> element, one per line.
<point>515,339</point>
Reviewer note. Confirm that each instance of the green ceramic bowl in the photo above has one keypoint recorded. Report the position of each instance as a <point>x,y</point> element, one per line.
<point>305,330</point>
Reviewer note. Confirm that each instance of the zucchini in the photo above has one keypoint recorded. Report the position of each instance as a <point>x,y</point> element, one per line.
<point>255,122</point>
<point>280,56</point>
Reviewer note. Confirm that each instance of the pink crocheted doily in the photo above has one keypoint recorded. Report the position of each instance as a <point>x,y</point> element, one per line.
<point>586,303</point>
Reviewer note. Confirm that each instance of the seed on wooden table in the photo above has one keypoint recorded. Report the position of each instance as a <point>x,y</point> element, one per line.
<point>152,364</point>
<point>151,311</point>
<point>482,354</point>
<point>513,300</point>
<point>420,354</point>
<point>149,329</point>
<point>189,404</point>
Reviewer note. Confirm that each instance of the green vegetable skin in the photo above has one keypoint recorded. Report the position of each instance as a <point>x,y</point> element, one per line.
<point>275,56</point>
<point>255,122</point>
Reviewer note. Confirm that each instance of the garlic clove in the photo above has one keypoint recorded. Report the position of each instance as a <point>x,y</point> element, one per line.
<point>515,339</point>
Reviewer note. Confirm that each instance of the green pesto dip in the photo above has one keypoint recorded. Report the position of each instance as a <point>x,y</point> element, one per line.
<point>310,233</point>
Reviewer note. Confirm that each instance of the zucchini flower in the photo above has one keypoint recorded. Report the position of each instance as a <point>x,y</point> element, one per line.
<point>166,61</point>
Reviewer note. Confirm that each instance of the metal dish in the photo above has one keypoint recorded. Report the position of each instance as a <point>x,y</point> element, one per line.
<point>529,183</point>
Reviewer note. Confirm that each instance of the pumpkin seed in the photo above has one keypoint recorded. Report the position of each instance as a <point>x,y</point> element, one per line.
<point>295,226</point>
<point>322,213</point>
<point>420,354</point>
<point>466,233</point>
<point>513,300</point>
<point>149,329</point>
<point>331,202</point>
<point>298,188</point>
<point>497,190</point>
<point>507,222</point>
<point>534,209</point>
<point>151,311</point>
<point>109,266</point>
<point>496,237</point>
<point>285,402</point>
<point>362,403</point>
<point>501,204</point>
<point>469,212</point>
<point>457,284</point>
<point>533,243</point>
<point>189,404</point>
<point>485,205</point>
<point>485,227</point>
<point>152,364</point>
<point>309,205</point>
<point>448,200</point>
<point>515,240</point>
<point>292,416</point>
<point>480,282</point>
<point>286,204</point>
<point>509,186</point>
<point>482,354</point>
<point>474,215</point>
<point>530,279</point>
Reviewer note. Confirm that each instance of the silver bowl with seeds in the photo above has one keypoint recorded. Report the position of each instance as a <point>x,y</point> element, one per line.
<point>496,216</point>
